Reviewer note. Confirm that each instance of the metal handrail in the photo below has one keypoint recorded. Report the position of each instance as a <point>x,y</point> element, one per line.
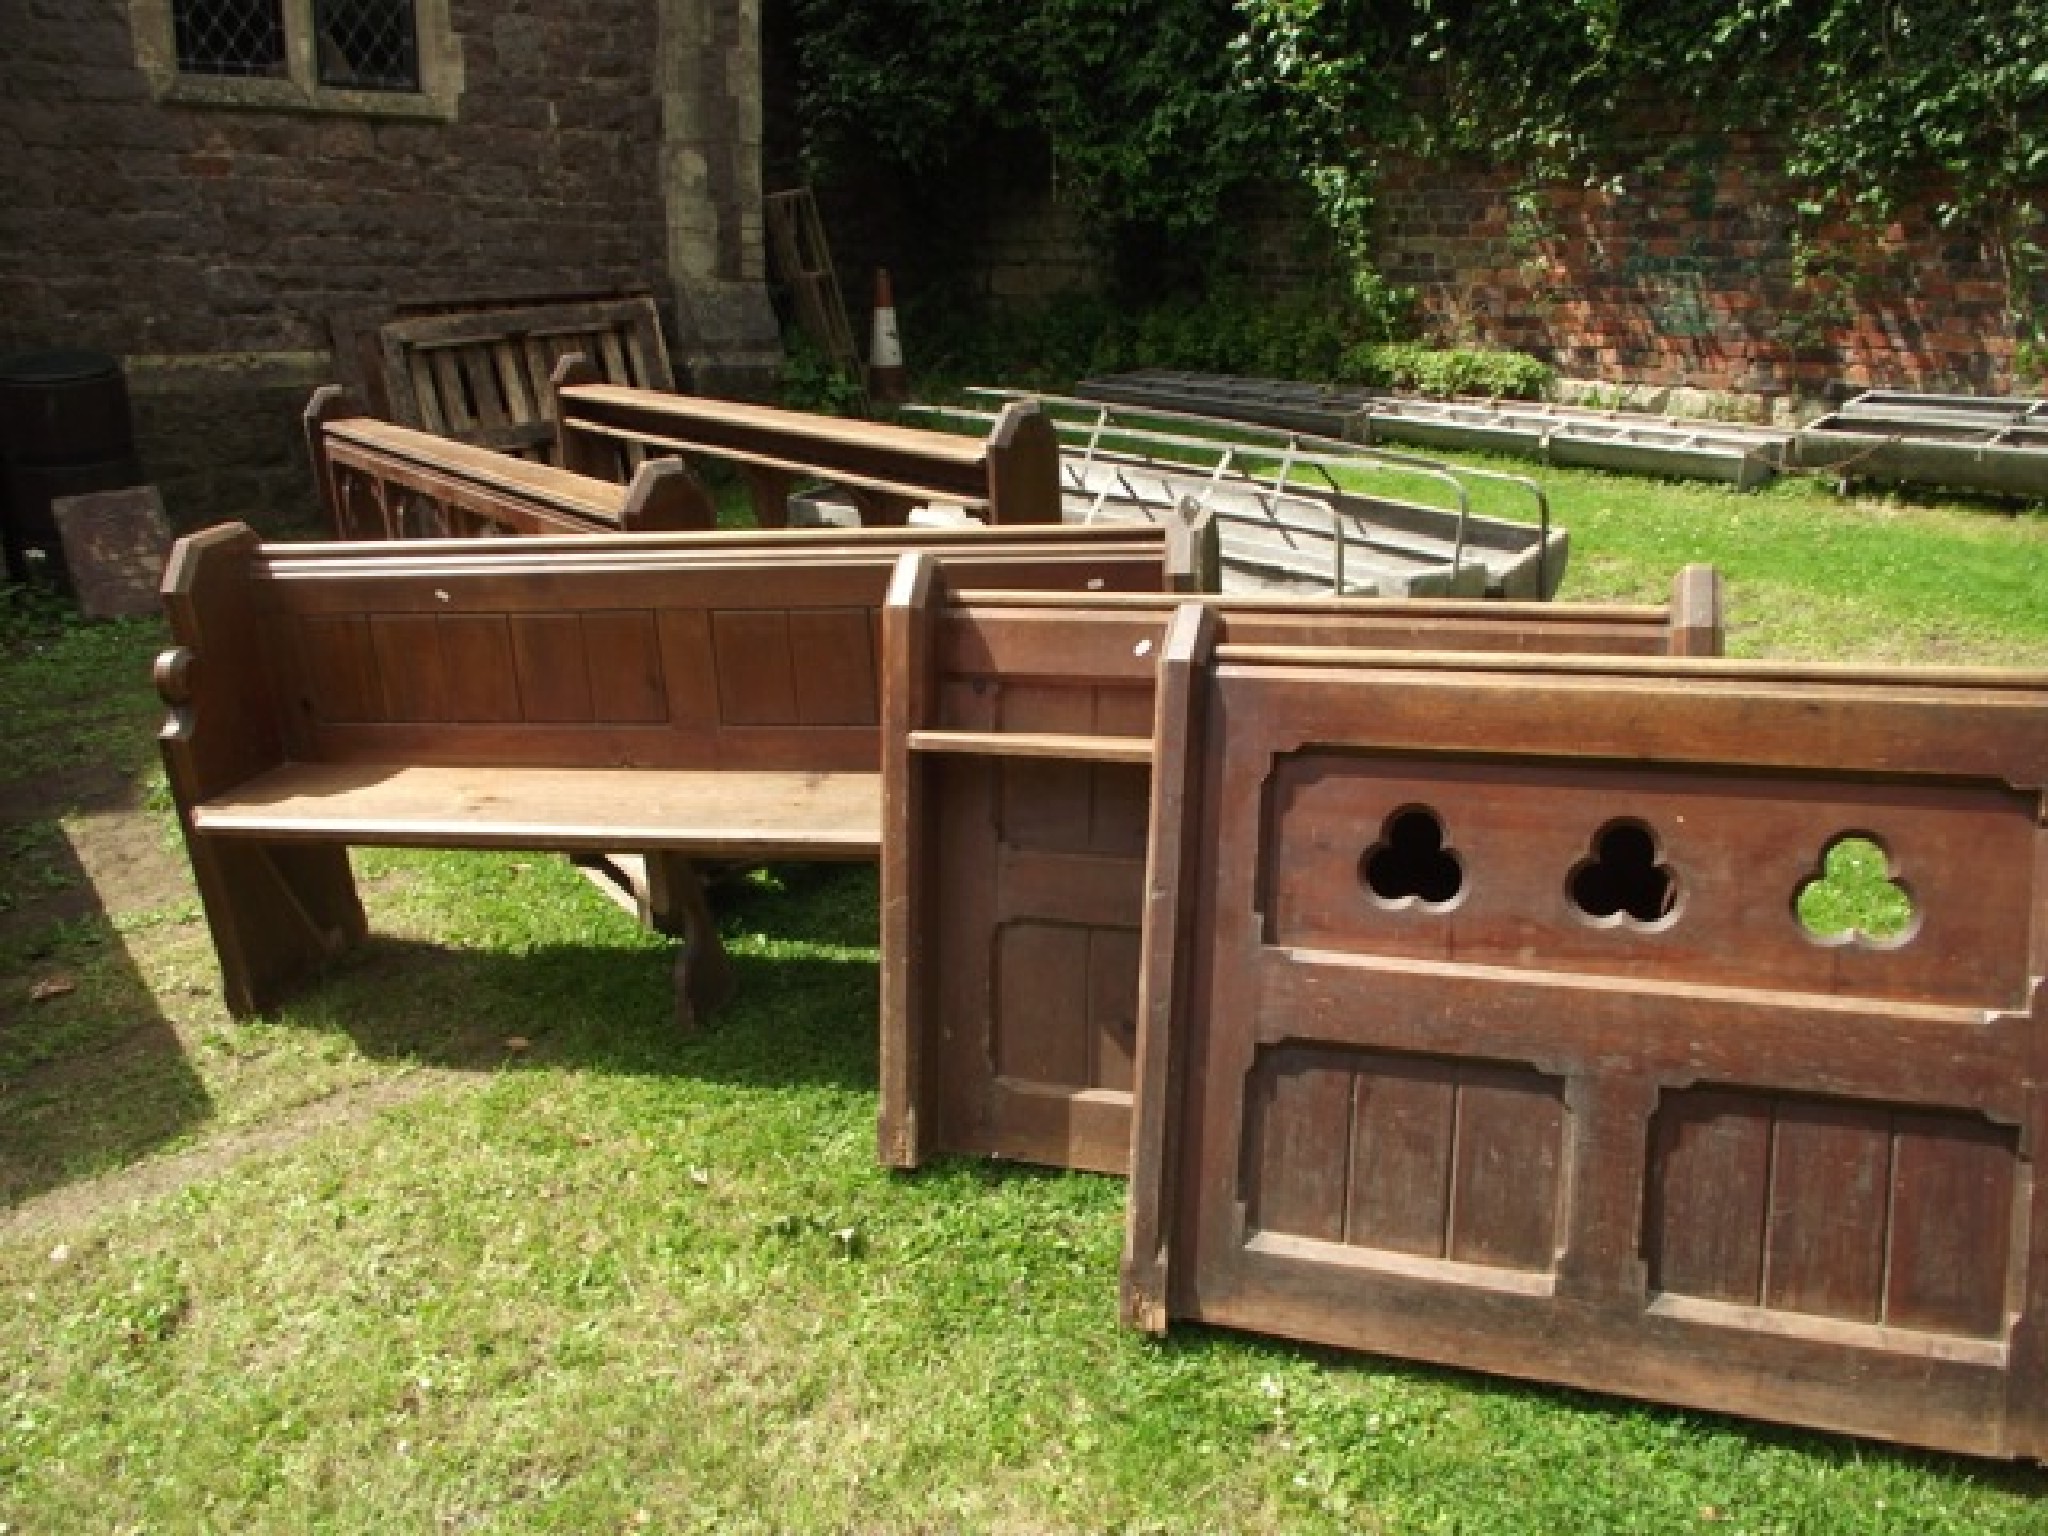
<point>1295,449</point>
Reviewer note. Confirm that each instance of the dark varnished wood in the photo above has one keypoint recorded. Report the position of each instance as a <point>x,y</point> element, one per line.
<point>378,480</point>
<point>1011,476</point>
<point>680,695</point>
<point>1018,823</point>
<point>1692,1153</point>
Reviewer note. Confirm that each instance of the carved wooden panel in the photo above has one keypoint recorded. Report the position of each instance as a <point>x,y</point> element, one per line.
<point>1018,828</point>
<point>1490,1020</point>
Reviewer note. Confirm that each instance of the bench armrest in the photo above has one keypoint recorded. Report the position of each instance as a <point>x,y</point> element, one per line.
<point>222,728</point>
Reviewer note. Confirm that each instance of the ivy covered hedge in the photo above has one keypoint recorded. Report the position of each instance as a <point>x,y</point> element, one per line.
<point>1306,337</point>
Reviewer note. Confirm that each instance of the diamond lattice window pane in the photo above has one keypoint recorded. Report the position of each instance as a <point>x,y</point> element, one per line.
<point>367,45</point>
<point>230,37</point>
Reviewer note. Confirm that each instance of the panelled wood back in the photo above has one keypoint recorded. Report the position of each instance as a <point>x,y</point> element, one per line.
<point>569,693</point>
<point>642,668</point>
<point>1015,831</point>
<point>653,653</point>
<point>1483,1026</point>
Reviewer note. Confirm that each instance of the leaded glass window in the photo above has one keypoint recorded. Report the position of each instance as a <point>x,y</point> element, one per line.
<point>367,45</point>
<point>230,37</point>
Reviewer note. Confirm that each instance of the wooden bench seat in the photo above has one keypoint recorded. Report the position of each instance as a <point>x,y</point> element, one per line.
<point>1011,476</point>
<point>762,815</point>
<point>678,696</point>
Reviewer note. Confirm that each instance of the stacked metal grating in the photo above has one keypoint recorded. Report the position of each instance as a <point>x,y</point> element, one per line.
<point>1625,441</point>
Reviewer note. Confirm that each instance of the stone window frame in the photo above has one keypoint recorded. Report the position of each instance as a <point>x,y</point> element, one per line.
<point>440,65</point>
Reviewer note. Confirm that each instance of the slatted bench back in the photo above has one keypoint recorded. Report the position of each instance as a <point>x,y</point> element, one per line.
<point>1015,830</point>
<point>483,376</point>
<point>1483,1026</point>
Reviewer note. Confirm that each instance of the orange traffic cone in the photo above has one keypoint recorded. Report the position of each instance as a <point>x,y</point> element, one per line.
<point>886,379</point>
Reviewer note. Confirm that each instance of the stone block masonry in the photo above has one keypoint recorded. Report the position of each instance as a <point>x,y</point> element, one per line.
<point>208,244</point>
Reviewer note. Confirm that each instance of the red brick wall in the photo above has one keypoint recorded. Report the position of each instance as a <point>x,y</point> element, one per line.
<point>1689,278</point>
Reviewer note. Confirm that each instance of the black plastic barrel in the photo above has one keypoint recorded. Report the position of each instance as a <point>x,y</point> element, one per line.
<point>65,430</point>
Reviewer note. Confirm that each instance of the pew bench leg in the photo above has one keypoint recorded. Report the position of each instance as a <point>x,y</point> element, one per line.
<point>278,912</point>
<point>676,905</point>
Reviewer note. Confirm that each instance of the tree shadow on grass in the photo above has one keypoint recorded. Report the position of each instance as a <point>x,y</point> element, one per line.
<point>94,1077</point>
<point>92,1074</point>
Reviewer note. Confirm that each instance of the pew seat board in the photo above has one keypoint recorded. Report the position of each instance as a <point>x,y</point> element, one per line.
<point>712,814</point>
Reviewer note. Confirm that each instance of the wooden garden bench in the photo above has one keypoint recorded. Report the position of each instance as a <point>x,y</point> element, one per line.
<point>478,371</point>
<point>1011,476</point>
<point>677,696</point>
<point>379,480</point>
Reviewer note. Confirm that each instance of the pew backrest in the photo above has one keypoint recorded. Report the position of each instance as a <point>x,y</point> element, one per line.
<point>380,480</point>
<point>1011,476</point>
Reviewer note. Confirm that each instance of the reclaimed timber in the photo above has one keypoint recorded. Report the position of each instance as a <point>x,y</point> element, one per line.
<point>482,375</point>
<point>1017,790</point>
<point>681,696</point>
<point>803,262</point>
<point>1011,476</point>
<point>1481,1026</point>
<point>379,480</point>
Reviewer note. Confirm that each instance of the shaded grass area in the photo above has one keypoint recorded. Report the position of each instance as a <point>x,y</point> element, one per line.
<point>565,1271</point>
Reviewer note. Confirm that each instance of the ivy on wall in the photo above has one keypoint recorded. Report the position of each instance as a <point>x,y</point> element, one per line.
<point>1132,98</point>
<point>1880,103</point>
<point>1157,112</point>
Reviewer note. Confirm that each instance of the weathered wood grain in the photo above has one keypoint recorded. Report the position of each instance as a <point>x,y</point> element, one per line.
<point>1487,1031</point>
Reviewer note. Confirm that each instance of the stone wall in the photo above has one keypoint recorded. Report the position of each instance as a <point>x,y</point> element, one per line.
<point>1703,279</point>
<point>209,245</point>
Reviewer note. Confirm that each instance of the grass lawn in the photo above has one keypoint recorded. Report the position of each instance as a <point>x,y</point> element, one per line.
<point>467,1240</point>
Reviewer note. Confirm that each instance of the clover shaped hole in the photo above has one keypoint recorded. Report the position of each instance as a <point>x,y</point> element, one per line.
<point>1410,865</point>
<point>1854,897</point>
<point>1624,881</point>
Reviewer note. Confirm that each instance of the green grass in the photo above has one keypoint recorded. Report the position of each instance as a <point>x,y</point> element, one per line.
<point>1881,578</point>
<point>1870,578</point>
<point>467,1239</point>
